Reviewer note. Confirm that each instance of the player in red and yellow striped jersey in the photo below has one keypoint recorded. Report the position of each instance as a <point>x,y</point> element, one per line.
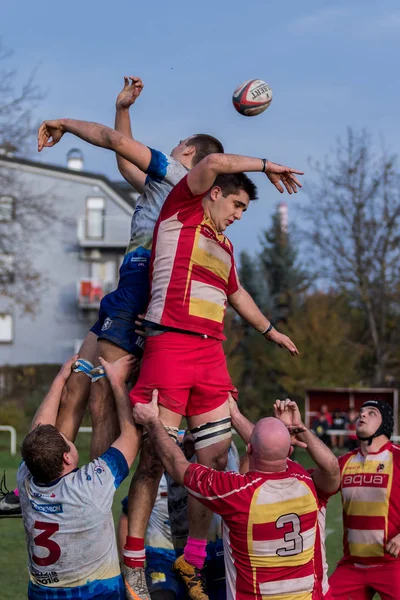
<point>370,488</point>
<point>326,475</point>
<point>269,514</point>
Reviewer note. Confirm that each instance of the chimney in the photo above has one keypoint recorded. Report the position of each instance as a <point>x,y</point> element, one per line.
<point>75,159</point>
<point>283,216</point>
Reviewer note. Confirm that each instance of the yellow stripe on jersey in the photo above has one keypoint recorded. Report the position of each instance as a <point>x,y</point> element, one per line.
<point>271,504</point>
<point>206,310</point>
<point>293,596</point>
<point>365,509</point>
<point>366,550</point>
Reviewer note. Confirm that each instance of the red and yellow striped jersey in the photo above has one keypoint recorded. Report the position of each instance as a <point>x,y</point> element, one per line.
<point>370,488</point>
<point>269,529</point>
<point>192,267</point>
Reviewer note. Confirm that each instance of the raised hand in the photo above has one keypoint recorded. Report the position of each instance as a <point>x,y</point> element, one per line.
<point>130,92</point>
<point>288,412</point>
<point>278,174</point>
<point>49,130</point>
<point>282,340</point>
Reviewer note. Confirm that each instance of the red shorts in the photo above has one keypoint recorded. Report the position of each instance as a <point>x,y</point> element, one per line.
<point>350,582</point>
<point>189,372</point>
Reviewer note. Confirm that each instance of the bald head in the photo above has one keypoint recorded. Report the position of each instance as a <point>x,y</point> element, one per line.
<point>269,444</point>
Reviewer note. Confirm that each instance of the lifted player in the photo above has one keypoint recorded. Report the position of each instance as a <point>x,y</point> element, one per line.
<point>153,174</point>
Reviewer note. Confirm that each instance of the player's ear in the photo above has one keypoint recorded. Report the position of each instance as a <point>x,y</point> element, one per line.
<point>189,150</point>
<point>249,449</point>
<point>215,193</point>
<point>67,458</point>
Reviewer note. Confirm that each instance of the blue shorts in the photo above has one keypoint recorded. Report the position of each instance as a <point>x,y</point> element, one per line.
<point>119,309</point>
<point>159,573</point>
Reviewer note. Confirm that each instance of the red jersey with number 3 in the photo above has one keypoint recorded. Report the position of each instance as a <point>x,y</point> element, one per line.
<point>269,529</point>
<point>192,267</point>
<point>370,488</point>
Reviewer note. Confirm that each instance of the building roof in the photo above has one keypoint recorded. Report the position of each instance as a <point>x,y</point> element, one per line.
<point>122,188</point>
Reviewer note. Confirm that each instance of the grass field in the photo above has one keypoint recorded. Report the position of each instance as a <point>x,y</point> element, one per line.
<point>14,576</point>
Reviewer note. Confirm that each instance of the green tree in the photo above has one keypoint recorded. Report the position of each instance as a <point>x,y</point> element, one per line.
<point>353,228</point>
<point>324,330</point>
<point>285,279</point>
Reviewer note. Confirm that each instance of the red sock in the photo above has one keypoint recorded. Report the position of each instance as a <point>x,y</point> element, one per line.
<point>195,552</point>
<point>134,552</point>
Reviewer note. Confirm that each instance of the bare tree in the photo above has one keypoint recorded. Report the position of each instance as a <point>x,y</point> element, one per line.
<point>23,214</point>
<point>353,227</point>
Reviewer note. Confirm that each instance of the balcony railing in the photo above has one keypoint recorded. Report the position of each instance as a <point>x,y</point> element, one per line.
<point>91,291</point>
<point>108,232</point>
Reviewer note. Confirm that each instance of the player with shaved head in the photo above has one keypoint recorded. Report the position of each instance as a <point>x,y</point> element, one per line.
<point>269,514</point>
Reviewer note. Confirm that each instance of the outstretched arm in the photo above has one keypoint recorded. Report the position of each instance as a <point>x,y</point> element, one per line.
<point>130,437</point>
<point>245,306</point>
<point>47,412</point>
<point>126,98</point>
<point>327,474</point>
<point>50,133</point>
<point>173,459</point>
<point>203,175</point>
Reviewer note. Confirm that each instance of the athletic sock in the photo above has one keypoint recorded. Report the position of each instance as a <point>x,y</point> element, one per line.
<point>195,552</point>
<point>134,552</point>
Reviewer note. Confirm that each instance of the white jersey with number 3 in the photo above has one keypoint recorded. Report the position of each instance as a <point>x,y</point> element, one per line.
<point>69,525</point>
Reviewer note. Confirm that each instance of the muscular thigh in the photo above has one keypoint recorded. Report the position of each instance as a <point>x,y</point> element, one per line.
<point>212,433</point>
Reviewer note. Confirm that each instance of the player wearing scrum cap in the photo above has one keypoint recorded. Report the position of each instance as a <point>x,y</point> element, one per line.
<point>370,489</point>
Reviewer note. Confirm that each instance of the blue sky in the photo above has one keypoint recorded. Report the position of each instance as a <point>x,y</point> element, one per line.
<point>330,65</point>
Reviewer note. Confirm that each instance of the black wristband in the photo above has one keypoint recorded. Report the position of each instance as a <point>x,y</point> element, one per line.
<point>264,162</point>
<point>267,330</point>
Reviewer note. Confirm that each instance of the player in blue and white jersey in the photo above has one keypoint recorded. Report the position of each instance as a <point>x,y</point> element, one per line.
<point>66,510</point>
<point>153,174</point>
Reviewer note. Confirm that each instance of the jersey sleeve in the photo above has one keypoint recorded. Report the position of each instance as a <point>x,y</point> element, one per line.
<point>218,490</point>
<point>181,199</point>
<point>102,477</point>
<point>164,168</point>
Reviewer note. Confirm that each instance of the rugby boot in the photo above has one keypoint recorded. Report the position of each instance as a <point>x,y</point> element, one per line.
<point>193,579</point>
<point>135,583</point>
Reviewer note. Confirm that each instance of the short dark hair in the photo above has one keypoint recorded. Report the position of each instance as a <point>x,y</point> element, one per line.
<point>205,144</point>
<point>43,450</point>
<point>234,182</point>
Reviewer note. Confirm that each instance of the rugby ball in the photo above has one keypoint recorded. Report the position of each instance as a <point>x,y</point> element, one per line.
<point>252,97</point>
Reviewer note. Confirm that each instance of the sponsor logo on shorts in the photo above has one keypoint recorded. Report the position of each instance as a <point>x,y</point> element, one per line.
<point>140,342</point>
<point>107,324</point>
<point>50,509</point>
<point>138,209</point>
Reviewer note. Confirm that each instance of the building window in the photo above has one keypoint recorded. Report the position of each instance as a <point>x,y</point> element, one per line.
<point>7,206</point>
<point>7,268</point>
<point>95,208</point>
<point>6,328</point>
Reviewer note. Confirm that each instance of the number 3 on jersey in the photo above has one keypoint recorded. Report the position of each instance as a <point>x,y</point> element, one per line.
<point>43,540</point>
<point>293,539</point>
